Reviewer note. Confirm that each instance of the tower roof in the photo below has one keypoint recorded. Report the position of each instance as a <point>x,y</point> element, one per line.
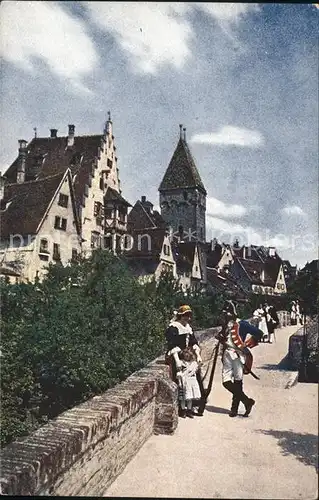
<point>182,171</point>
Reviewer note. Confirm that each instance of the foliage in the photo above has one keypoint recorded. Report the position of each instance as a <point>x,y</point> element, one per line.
<point>305,288</point>
<point>82,330</point>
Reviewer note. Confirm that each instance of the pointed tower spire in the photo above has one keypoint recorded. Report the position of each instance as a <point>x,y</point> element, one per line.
<point>184,129</point>
<point>180,130</point>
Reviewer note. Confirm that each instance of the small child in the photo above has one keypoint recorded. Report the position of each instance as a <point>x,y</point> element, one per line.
<point>188,388</point>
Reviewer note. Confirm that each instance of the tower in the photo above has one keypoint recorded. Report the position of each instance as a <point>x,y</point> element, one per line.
<point>183,195</point>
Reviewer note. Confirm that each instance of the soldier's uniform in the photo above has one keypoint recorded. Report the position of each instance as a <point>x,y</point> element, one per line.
<point>238,336</point>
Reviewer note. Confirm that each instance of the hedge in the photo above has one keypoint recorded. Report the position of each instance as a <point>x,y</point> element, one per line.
<point>82,330</point>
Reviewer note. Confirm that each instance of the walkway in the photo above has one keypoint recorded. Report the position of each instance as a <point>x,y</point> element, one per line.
<point>270,454</point>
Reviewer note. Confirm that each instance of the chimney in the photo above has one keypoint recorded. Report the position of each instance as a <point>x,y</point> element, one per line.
<point>71,136</point>
<point>272,251</point>
<point>22,159</point>
<point>244,252</point>
<point>147,205</point>
<point>53,133</point>
<point>236,243</point>
<point>213,244</point>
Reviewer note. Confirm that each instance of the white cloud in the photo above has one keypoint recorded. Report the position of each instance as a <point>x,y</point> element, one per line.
<point>44,30</point>
<point>293,210</point>
<point>228,14</point>
<point>216,207</point>
<point>151,34</point>
<point>231,136</point>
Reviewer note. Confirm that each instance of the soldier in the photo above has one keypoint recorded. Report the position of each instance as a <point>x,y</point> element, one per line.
<point>179,335</point>
<point>237,336</point>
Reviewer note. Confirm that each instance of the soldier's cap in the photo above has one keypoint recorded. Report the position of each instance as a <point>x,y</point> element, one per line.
<point>185,309</point>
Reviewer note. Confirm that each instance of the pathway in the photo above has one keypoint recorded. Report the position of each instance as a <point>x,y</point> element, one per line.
<point>270,454</point>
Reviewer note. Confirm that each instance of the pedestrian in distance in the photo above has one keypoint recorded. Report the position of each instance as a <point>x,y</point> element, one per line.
<point>272,322</point>
<point>260,314</point>
<point>189,389</point>
<point>237,337</point>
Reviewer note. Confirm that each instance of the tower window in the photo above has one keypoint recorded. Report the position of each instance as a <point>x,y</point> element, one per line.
<point>180,230</point>
<point>185,195</point>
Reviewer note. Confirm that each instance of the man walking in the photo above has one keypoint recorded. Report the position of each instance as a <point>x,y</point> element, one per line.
<point>237,336</point>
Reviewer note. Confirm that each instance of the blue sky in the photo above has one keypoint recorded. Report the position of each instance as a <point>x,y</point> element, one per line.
<point>242,78</point>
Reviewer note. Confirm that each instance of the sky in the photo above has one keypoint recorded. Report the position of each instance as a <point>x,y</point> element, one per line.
<point>242,79</point>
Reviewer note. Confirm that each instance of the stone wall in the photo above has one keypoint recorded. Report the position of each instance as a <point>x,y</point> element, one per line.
<point>84,449</point>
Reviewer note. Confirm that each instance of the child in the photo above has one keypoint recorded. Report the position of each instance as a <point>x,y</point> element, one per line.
<point>188,386</point>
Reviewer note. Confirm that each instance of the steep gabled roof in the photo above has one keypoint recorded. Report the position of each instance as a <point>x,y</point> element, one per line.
<point>49,156</point>
<point>142,218</point>
<point>26,205</point>
<point>182,171</point>
<point>272,267</point>
<point>112,195</point>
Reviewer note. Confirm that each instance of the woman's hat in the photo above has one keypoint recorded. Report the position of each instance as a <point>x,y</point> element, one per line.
<point>184,310</point>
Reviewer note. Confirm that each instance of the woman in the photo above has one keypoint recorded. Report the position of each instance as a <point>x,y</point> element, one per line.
<point>179,336</point>
<point>260,314</point>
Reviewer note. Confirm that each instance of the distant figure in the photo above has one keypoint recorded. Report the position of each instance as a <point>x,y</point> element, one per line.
<point>188,385</point>
<point>293,313</point>
<point>260,314</point>
<point>272,322</point>
<point>298,313</point>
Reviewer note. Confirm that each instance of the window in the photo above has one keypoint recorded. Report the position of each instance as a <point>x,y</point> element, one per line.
<point>98,209</point>
<point>122,215</point>
<point>86,190</point>
<point>109,163</point>
<point>185,195</point>
<point>60,223</point>
<point>101,183</point>
<point>166,250</point>
<point>63,200</point>
<point>56,252</point>
<point>44,246</point>
<point>108,213</point>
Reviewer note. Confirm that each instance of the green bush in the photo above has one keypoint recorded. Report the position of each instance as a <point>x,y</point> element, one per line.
<point>82,330</point>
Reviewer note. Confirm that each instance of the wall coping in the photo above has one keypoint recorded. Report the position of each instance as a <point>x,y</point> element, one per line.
<point>30,464</point>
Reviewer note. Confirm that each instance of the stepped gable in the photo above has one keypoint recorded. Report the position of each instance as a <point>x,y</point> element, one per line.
<point>48,156</point>
<point>182,171</point>
<point>24,205</point>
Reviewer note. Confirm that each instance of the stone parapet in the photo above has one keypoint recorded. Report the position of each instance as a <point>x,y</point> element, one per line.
<point>89,445</point>
<point>84,449</point>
